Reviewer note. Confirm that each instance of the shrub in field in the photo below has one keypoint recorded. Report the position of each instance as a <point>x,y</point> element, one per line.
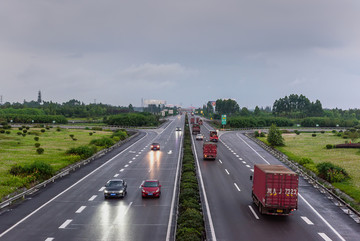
<point>334,131</point>
<point>329,146</point>
<point>8,132</point>
<point>105,141</point>
<point>2,131</point>
<point>19,133</point>
<point>314,135</point>
<point>331,172</point>
<point>20,128</point>
<point>322,132</point>
<point>305,160</point>
<point>97,128</point>
<point>40,170</point>
<point>37,144</point>
<point>25,131</point>
<point>23,134</point>
<point>42,130</point>
<point>36,138</point>
<point>40,150</point>
<point>82,151</point>
<point>122,134</point>
<point>72,136</point>
<point>90,133</point>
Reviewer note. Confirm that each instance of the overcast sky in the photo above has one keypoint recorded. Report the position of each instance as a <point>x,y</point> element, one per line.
<point>185,52</point>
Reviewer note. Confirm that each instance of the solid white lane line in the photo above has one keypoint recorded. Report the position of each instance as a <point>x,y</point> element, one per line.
<point>237,187</point>
<point>66,223</point>
<point>49,239</point>
<point>92,198</point>
<point>220,161</point>
<point>248,166</point>
<point>101,189</point>
<point>126,165</point>
<point>116,175</point>
<point>252,210</point>
<point>207,208</point>
<point>253,149</point>
<point>67,189</point>
<point>306,220</point>
<point>127,209</point>
<point>80,209</point>
<point>174,193</point>
<point>325,237</point>
<point>121,170</point>
<point>227,171</point>
<point>321,217</point>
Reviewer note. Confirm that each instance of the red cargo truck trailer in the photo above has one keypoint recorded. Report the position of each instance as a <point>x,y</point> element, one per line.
<point>192,120</point>
<point>209,150</point>
<point>195,129</point>
<point>275,189</point>
<point>214,136</point>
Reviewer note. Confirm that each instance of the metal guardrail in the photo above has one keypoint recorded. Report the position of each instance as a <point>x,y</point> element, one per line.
<point>330,192</point>
<point>63,173</point>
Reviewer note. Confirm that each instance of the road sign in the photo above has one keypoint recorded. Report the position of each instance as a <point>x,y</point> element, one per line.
<point>223,119</point>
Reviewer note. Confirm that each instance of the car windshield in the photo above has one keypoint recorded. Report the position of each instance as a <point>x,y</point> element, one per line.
<point>150,184</point>
<point>115,184</point>
<point>155,144</point>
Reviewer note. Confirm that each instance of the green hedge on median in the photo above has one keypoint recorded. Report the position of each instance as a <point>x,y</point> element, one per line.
<point>190,224</point>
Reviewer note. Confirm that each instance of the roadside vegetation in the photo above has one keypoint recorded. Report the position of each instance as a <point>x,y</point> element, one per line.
<point>190,223</point>
<point>318,153</point>
<point>30,155</point>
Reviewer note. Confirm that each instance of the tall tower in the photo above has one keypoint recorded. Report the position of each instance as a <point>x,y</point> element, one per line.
<point>39,97</point>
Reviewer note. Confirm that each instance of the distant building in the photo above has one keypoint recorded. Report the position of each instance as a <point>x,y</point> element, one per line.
<point>146,103</point>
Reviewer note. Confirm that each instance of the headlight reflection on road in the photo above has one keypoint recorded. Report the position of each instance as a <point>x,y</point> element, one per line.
<point>154,159</point>
<point>112,217</point>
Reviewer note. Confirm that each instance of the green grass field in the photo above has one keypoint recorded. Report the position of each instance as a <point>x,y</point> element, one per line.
<point>16,149</point>
<point>305,145</point>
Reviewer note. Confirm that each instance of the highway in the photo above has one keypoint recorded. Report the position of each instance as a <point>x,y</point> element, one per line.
<point>231,214</point>
<point>73,208</point>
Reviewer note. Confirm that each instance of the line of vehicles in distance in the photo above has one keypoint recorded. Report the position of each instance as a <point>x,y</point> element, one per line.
<point>275,187</point>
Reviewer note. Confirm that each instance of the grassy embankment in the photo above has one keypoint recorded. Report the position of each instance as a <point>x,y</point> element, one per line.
<point>307,146</point>
<point>18,149</point>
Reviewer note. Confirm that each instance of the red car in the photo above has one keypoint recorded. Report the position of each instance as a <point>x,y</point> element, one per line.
<point>155,146</point>
<point>151,188</point>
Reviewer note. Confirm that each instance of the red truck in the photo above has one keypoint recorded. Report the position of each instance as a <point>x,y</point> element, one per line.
<point>209,150</point>
<point>275,189</point>
<point>214,136</point>
<point>200,122</point>
<point>195,129</point>
<point>192,120</point>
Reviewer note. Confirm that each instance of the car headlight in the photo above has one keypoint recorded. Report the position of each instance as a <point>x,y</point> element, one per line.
<point>121,191</point>
<point>157,190</point>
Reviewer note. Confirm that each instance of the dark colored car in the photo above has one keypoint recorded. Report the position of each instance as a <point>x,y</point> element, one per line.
<point>155,146</point>
<point>151,188</point>
<point>115,188</point>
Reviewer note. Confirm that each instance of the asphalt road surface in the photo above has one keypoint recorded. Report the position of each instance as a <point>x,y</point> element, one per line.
<point>74,207</point>
<point>231,214</point>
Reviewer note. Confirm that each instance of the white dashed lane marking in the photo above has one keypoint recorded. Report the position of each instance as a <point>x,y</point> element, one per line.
<point>237,187</point>
<point>220,161</point>
<point>80,209</point>
<point>101,189</point>
<point>227,171</point>
<point>116,175</point>
<point>92,198</point>
<point>307,220</point>
<point>121,170</point>
<point>325,237</point>
<point>65,224</point>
